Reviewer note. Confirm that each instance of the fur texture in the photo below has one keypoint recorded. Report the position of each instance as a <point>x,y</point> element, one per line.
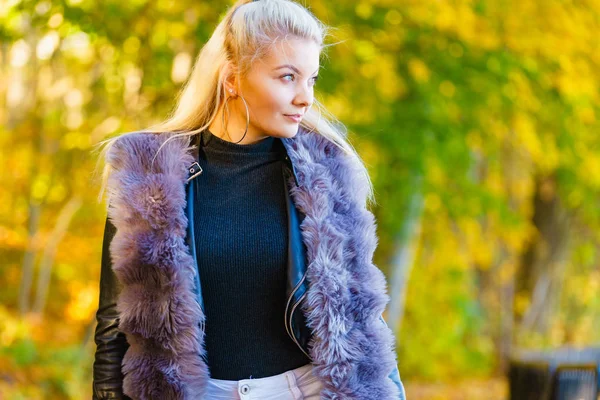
<point>352,351</point>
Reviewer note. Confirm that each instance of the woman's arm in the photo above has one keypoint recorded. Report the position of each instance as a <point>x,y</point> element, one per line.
<point>111,344</point>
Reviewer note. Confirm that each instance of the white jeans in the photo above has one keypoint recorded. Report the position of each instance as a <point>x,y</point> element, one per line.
<point>295,384</point>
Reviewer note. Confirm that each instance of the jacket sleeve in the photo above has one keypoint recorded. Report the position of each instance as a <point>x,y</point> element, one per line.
<point>395,374</point>
<point>111,343</point>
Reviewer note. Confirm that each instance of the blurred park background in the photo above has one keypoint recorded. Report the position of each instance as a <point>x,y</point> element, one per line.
<point>478,120</point>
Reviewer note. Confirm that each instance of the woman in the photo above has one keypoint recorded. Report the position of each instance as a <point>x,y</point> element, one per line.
<point>237,258</point>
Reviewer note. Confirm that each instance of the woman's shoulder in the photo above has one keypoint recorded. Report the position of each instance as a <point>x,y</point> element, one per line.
<point>138,150</point>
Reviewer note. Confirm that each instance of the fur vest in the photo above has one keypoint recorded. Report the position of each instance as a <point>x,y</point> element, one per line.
<point>351,350</point>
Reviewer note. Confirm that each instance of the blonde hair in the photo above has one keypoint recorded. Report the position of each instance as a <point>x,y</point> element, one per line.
<point>246,33</point>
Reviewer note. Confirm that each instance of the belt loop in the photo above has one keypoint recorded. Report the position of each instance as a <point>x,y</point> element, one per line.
<point>291,379</point>
<point>293,385</point>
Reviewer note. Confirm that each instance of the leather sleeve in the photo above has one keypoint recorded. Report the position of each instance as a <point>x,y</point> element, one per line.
<point>111,344</point>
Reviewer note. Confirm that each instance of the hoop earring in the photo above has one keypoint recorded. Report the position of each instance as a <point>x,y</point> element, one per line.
<point>225,106</point>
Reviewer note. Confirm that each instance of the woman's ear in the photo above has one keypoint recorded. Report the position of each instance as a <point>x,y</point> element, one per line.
<point>230,83</point>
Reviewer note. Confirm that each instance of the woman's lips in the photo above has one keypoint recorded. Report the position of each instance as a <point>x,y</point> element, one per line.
<point>295,118</point>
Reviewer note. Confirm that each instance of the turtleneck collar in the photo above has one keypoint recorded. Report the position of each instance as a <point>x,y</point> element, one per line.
<point>213,142</point>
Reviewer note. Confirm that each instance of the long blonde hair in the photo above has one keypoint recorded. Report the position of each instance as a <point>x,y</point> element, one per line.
<point>246,33</point>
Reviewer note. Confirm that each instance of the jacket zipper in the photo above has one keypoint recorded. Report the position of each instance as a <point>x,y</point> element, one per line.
<point>288,323</point>
<point>292,313</point>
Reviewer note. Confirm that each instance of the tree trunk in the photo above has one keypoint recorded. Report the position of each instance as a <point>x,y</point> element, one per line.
<point>542,266</point>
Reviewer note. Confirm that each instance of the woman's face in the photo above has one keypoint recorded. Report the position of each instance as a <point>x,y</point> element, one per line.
<point>281,84</point>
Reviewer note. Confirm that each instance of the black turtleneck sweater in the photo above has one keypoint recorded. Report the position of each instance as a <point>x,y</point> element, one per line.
<point>241,245</point>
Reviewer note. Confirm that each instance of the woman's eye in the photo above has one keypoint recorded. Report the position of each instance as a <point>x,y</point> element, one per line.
<point>314,78</point>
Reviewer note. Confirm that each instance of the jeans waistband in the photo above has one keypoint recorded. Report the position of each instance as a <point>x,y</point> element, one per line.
<point>265,385</point>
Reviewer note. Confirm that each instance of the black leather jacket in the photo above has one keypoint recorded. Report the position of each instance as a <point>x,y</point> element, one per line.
<point>112,344</point>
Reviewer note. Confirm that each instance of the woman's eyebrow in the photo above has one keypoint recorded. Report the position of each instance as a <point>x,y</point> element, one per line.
<point>292,68</point>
